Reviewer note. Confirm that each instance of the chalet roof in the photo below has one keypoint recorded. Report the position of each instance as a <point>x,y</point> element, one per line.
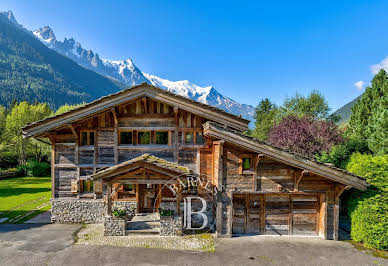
<point>143,90</point>
<point>216,131</point>
<point>143,160</point>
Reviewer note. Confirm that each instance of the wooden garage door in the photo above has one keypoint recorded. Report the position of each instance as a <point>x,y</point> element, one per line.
<point>247,214</point>
<point>305,215</point>
<point>275,214</point>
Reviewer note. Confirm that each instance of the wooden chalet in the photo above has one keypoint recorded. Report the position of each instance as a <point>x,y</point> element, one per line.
<point>128,145</point>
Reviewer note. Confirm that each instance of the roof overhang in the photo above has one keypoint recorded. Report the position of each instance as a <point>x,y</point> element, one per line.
<point>106,103</point>
<point>215,131</point>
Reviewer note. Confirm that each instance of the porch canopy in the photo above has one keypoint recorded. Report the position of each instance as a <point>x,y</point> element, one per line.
<point>145,169</point>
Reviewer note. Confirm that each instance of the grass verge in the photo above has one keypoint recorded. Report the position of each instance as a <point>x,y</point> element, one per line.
<point>22,198</point>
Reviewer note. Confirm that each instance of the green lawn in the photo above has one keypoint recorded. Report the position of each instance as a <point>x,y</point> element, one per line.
<point>22,198</point>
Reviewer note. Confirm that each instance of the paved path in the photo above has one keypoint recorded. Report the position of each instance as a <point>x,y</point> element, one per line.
<point>43,218</point>
<point>36,244</point>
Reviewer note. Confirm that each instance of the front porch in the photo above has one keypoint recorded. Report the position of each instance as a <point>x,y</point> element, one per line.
<point>150,183</point>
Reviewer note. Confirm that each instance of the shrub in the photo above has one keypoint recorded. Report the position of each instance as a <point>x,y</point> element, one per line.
<point>370,222</point>
<point>119,212</point>
<point>35,168</point>
<point>368,210</point>
<point>166,212</point>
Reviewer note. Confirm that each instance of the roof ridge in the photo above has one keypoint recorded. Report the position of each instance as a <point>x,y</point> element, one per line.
<point>101,99</point>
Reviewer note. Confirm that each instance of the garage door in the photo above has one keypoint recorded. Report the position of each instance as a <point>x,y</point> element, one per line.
<point>272,214</point>
<point>277,214</point>
<point>247,214</point>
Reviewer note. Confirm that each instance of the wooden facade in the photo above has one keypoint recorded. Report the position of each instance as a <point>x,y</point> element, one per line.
<point>264,190</point>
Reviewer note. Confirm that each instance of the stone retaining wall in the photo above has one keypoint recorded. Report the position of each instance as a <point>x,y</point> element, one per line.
<point>171,225</point>
<point>85,211</point>
<point>114,226</point>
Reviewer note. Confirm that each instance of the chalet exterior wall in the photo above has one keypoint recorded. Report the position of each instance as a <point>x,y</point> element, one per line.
<point>262,190</point>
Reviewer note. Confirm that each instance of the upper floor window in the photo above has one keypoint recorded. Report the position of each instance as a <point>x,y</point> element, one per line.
<point>125,137</point>
<point>199,138</point>
<point>246,163</point>
<point>189,137</point>
<point>161,137</point>
<point>87,138</point>
<point>143,137</point>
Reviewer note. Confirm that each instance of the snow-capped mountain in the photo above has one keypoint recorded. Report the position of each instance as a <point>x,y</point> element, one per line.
<point>126,72</point>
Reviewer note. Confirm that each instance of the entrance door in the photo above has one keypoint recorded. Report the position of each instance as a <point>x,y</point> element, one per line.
<point>147,197</point>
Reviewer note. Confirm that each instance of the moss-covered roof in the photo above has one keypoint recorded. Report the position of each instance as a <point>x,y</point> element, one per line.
<point>147,159</point>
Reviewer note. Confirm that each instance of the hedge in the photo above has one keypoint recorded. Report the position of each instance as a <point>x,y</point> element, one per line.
<point>368,210</point>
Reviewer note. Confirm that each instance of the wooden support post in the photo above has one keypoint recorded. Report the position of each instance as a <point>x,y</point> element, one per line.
<point>339,189</point>
<point>52,167</point>
<point>219,218</point>
<point>323,216</point>
<point>115,137</point>
<point>109,199</point>
<point>290,218</point>
<point>218,163</point>
<point>176,151</point>
<point>262,214</point>
<point>229,226</point>
<point>178,198</point>
<point>137,198</point>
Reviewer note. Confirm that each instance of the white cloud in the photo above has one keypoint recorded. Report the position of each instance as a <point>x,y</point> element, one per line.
<point>383,64</point>
<point>359,84</point>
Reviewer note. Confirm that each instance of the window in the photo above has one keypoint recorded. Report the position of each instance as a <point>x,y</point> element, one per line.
<point>162,138</point>
<point>87,138</point>
<point>200,139</point>
<point>125,137</point>
<point>128,187</point>
<point>189,138</point>
<point>247,163</point>
<point>143,138</point>
<point>87,186</point>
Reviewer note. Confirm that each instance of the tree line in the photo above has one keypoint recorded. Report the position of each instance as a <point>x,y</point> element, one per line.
<point>303,124</point>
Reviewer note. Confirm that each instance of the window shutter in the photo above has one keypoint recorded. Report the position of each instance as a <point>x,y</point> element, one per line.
<point>74,186</point>
<point>98,187</point>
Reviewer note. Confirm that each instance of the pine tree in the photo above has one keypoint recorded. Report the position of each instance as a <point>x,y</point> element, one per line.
<point>369,120</point>
<point>265,117</point>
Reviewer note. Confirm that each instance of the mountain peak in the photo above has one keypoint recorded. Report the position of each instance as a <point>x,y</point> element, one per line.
<point>46,34</point>
<point>9,15</point>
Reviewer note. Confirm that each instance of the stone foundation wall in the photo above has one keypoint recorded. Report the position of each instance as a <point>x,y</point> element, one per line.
<point>85,211</point>
<point>114,226</point>
<point>171,226</point>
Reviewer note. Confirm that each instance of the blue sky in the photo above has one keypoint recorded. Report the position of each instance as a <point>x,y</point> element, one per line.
<point>247,50</point>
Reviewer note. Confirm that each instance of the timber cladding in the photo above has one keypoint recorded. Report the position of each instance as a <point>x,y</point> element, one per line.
<point>263,189</point>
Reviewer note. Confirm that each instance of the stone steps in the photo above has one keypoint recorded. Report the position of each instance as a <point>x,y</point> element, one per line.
<point>143,225</point>
<point>151,231</point>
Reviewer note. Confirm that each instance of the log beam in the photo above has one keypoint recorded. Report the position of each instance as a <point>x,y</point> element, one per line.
<point>298,178</point>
